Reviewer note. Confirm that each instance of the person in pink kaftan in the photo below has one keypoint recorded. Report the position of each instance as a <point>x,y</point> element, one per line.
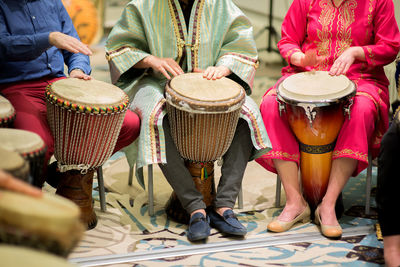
<point>350,37</point>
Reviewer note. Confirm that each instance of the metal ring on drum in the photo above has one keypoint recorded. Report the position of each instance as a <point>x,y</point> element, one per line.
<point>203,115</point>
<point>315,104</point>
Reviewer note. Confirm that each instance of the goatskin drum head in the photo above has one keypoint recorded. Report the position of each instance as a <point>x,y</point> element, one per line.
<point>20,141</point>
<point>10,161</point>
<point>89,93</point>
<point>50,213</point>
<point>194,86</point>
<point>315,86</point>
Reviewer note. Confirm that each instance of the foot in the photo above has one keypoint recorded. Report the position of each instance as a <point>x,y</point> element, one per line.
<point>281,225</point>
<point>199,227</point>
<point>227,223</point>
<point>329,230</point>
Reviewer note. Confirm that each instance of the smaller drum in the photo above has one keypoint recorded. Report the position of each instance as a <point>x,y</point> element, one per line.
<point>7,113</point>
<point>50,223</point>
<point>13,256</point>
<point>30,146</point>
<point>315,105</point>
<point>14,164</point>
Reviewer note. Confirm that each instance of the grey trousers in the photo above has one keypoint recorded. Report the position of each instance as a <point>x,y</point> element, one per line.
<point>234,164</point>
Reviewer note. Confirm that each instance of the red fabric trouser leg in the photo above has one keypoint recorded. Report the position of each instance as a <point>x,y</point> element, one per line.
<point>129,131</point>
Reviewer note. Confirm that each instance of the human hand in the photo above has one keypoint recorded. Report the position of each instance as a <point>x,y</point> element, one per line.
<point>10,183</point>
<point>214,72</point>
<point>77,73</point>
<point>69,43</point>
<point>163,65</point>
<point>344,61</point>
<point>308,58</point>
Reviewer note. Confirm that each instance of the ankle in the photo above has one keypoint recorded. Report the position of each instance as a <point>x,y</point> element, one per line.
<point>202,211</point>
<point>221,210</point>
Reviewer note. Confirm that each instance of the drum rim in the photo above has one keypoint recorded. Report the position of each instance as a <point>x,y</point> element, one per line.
<point>9,114</point>
<point>35,148</point>
<point>317,103</point>
<point>53,98</point>
<point>182,102</point>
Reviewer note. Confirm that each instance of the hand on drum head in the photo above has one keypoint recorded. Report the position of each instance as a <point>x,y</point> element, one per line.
<point>69,43</point>
<point>346,59</point>
<point>309,58</point>
<point>8,182</point>
<point>214,72</point>
<point>164,65</point>
<point>77,73</point>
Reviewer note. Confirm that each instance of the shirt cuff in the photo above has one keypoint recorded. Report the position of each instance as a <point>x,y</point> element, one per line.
<point>42,40</point>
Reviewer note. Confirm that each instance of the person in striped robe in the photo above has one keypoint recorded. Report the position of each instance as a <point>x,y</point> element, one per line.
<point>155,40</point>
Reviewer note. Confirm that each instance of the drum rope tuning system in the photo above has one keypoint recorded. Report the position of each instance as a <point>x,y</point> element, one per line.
<point>203,115</point>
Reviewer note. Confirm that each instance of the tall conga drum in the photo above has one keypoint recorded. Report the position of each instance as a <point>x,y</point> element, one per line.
<point>85,118</point>
<point>49,223</point>
<point>7,112</point>
<point>316,104</point>
<point>203,115</point>
<point>30,146</point>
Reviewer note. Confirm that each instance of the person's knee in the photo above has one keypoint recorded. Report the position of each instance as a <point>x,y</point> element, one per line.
<point>364,107</point>
<point>131,125</point>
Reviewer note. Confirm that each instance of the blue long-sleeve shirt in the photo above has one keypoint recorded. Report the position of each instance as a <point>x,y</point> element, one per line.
<point>25,51</point>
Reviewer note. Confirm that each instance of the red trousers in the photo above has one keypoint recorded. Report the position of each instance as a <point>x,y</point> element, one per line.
<point>28,99</point>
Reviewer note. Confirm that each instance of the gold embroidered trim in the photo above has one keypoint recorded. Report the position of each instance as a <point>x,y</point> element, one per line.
<point>346,17</point>
<point>195,47</point>
<point>348,152</point>
<point>325,35</point>
<point>110,55</point>
<point>153,124</point>
<point>180,42</point>
<point>280,154</point>
<point>370,9</point>
<point>242,60</point>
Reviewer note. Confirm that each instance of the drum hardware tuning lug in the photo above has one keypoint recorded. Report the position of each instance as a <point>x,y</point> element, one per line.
<point>310,112</point>
<point>282,107</point>
<point>346,109</point>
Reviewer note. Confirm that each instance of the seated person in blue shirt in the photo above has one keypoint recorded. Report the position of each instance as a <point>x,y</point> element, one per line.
<point>36,38</point>
<point>387,196</point>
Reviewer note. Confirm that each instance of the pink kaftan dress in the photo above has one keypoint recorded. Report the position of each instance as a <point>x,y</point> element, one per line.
<point>320,25</point>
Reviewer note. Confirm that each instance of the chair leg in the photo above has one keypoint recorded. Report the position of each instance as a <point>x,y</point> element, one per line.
<point>102,193</point>
<point>240,198</point>
<point>278,192</point>
<point>130,177</point>
<point>368,185</point>
<point>150,189</point>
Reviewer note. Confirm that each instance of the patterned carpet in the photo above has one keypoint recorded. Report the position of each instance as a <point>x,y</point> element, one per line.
<point>126,227</point>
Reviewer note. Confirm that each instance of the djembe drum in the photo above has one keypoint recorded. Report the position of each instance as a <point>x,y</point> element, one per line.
<point>85,118</point>
<point>14,164</point>
<point>30,146</point>
<point>14,256</point>
<point>49,223</point>
<point>203,115</point>
<point>7,112</point>
<point>316,104</point>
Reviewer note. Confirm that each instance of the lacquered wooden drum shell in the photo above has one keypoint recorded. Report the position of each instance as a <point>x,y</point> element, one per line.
<point>315,103</point>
